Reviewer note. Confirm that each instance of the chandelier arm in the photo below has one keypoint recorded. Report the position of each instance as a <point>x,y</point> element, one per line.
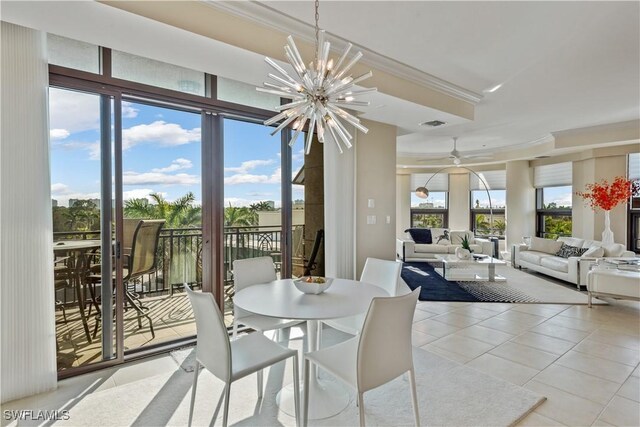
<point>483,184</point>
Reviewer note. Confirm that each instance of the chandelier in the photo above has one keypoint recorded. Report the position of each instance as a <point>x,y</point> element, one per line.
<point>318,93</point>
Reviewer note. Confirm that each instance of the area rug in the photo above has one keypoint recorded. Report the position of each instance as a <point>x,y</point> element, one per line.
<point>449,394</point>
<point>436,288</point>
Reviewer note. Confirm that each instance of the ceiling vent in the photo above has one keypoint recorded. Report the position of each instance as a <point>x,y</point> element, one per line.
<point>433,123</point>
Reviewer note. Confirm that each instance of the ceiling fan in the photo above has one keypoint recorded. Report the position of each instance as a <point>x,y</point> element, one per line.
<point>456,156</point>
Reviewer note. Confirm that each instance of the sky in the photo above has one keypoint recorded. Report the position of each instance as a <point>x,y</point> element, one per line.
<point>161,153</point>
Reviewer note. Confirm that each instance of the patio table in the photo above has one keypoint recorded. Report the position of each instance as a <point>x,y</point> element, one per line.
<point>283,300</point>
<point>76,250</point>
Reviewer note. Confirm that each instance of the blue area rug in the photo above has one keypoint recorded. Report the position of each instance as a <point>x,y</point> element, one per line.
<point>435,288</point>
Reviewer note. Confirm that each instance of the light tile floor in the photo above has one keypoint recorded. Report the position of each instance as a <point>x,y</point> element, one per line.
<point>585,361</point>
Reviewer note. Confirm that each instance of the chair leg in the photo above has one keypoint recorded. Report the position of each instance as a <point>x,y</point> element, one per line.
<point>305,401</point>
<point>196,370</point>
<point>227,394</point>
<point>589,302</point>
<point>235,330</point>
<point>260,382</point>
<point>414,397</point>
<point>296,389</point>
<point>361,408</point>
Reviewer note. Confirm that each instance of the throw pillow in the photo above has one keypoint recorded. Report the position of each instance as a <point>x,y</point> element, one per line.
<point>420,235</point>
<point>614,250</point>
<point>443,239</point>
<point>547,246</point>
<point>567,251</point>
<point>593,252</point>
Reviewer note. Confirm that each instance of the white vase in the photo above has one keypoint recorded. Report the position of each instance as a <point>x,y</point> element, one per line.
<point>463,253</point>
<point>607,234</point>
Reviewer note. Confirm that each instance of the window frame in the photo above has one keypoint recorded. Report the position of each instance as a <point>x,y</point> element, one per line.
<point>542,212</point>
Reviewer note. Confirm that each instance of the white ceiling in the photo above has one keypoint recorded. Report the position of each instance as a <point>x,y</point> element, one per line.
<point>562,65</point>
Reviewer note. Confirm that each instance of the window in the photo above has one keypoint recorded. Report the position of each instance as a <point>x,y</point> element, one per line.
<point>553,211</point>
<point>634,206</point>
<point>554,193</point>
<point>486,221</point>
<point>430,212</point>
<point>245,94</point>
<point>73,54</point>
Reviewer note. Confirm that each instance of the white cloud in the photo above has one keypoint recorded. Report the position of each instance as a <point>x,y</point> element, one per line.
<point>561,199</point>
<point>73,111</point>
<point>158,178</point>
<point>247,178</point>
<point>176,165</point>
<point>159,132</point>
<point>57,134</point>
<point>248,165</point>
<point>128,112</point>
<point>259,194</point>
<point>59,188</point>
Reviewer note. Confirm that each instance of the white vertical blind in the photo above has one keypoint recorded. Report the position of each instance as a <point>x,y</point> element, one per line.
<point>339,211</point>
<point>494,180</point>
<point>554,175</point>
<point>27,332</point>
<point>439,182</point>
<point>634,166</point>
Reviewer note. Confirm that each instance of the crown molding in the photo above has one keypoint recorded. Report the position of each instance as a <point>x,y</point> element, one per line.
<point>271,18</point>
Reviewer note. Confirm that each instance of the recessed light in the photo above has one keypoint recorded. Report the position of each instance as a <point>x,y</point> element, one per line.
<point>433,123</point>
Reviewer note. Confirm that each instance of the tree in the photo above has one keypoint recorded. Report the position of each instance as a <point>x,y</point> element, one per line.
<point>82,216</point>
<point>179,213</point>
<point>261,206</point>
<point>239,216</point>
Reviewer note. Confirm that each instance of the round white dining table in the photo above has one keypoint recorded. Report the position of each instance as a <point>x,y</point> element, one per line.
<point>281,299</point>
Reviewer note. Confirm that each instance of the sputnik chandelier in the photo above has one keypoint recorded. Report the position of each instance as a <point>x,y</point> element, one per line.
<point>319,93</point>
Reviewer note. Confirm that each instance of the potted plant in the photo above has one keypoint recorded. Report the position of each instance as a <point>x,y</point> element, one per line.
<point>464,251</point>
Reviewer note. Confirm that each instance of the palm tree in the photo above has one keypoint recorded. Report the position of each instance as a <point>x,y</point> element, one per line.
<point>179,213</point>
<point>238,217</point>
<point>261,206</point>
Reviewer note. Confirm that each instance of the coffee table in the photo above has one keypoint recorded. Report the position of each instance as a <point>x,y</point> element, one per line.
<point>475,270</point>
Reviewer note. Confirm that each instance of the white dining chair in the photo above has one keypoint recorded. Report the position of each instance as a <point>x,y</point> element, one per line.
<point>231,360</point>
<point>382,273</point>
<point>251,271</point>
<point>381,353</point>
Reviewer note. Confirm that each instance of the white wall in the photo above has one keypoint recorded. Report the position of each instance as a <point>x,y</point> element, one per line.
<point>459,201</point>
<point>376,180</point>
<point>521,205</point>
<point>27,333</point>
<point>403,204</point>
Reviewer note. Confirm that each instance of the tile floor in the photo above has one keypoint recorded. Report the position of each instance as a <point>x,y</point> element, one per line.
<point>585,361</point>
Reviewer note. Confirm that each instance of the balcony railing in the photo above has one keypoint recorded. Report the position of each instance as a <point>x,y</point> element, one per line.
<point>180,256</point>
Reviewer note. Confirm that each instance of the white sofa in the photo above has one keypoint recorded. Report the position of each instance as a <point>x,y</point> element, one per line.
<point>613,282</point>
<point>540,255</point>
<point>407,250</point>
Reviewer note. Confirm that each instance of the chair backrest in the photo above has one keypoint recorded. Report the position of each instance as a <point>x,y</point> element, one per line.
<point>297,240</point>
<point>384,349</point>
<point>311,262</point>
<point>144,248</point>
<point>129,226</point>
<point>382,273</point>
<point>251,271</point>
<point>213,350</point>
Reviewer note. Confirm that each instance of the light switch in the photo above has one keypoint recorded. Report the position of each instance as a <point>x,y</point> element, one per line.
<point>388,219</point>
<point>371,219</point>
<point>371,203</point>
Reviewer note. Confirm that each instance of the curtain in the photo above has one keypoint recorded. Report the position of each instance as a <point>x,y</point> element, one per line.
<point>339,210</point>
<point>27,334</point>
<point>555,175</point>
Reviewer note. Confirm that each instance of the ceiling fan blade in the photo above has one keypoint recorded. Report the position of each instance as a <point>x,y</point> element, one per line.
<point>431,159</point>
<point>478,157</point>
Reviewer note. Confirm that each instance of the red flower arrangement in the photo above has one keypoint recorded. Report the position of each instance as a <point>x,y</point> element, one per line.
<point>606,196</point>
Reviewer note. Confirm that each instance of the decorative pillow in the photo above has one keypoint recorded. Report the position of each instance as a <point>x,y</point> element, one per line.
<point>547,246</point>
<point>613,250</point>
<point>566,251</point>
<point>593,252</point>
<point>420,235</point>
<point>443,239</point>
<point>457,236</point>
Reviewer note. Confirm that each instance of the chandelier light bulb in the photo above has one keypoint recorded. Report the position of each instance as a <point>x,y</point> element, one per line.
<point>318,92</point>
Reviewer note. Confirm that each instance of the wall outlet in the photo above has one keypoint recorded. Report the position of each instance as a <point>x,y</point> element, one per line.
<point>388,219</point>
<point>371,203</point>
<point>371,219</point>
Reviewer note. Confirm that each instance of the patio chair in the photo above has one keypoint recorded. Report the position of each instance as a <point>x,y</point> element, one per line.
<point>231,360</point>
<point>382,273</point>
<point>310,264</point>
<point>251,271</point>
<point>142,260</point>
<point>381,353</point>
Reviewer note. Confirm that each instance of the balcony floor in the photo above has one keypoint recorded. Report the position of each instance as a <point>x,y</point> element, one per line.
<point>172,319</point>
